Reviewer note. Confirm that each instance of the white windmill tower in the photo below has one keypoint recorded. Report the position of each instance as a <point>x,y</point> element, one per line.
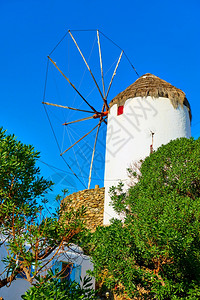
<point>149,113</point>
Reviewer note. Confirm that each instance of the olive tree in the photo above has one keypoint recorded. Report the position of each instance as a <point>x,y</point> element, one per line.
<point>28,235</point>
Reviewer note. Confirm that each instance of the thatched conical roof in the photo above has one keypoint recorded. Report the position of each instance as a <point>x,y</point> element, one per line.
<point>151,85</point>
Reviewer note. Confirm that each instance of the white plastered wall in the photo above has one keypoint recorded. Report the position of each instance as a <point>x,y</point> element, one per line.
<point>129,137</point>
<point>19,286</point>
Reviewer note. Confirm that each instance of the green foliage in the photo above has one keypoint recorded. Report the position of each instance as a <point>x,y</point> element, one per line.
<point>26,232</point>
<point>56,289</point>
<point>20,181</point>
<point>155,252</point>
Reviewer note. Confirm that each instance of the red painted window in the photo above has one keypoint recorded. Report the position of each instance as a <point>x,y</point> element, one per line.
<point>120,110</point>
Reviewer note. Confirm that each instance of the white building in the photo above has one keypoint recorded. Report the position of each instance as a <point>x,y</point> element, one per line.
<point>77,265</point>
<point>149,113</point>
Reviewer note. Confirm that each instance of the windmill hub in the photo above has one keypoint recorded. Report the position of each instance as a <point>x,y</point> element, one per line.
<point>100,115</point>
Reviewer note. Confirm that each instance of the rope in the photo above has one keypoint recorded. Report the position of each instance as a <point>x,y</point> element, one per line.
<point>90,174</point>
<point>58,43</point>
<point>114,73</point>
<point>88,69</point>
<point>75,88</point>
<point>104,36</point>
<point>83,30</point>
<point>45,85</point>
<point>93,178</point>
<point>82,138</point>
<point>75,154</point>
<point>121,50</point>
<point>70,83</point>
<point>101,64</point>
<point>85,71</point>
<point>60,149</point>
<point>80,148</point>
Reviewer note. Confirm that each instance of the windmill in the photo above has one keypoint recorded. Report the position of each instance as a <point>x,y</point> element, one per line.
<point>92,111</point>
<point>146,114</point>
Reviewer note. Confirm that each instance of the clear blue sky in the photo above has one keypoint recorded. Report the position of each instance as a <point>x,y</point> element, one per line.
<point>159,37</point>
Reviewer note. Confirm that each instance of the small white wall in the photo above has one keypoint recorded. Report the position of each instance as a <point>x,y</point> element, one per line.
<point>14,292</point>
<point>129,137</point>
<point>76,256</point>
<point>19,286</point>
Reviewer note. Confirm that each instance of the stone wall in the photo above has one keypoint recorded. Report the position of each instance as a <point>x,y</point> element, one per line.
<point>93,201</point>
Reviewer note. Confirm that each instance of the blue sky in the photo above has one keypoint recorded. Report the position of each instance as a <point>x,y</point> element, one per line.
<point>159,37</point>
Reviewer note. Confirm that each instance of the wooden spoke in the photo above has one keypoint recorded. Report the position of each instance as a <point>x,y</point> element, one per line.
<point>71,84</point>
<point>114,73</point>
<point>101,64</point>
<point>92,160</point>
<point>88,69</point>
<point>47,103</point>
<point>84,119</point>
<point>83,137</point>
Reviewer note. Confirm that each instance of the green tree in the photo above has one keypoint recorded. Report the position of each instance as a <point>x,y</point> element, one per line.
<point>26,232</point>
<point>155,252</point>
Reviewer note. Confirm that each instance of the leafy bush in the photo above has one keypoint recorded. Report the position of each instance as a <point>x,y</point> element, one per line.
<point>52,288</point>
<point>155,252</point>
